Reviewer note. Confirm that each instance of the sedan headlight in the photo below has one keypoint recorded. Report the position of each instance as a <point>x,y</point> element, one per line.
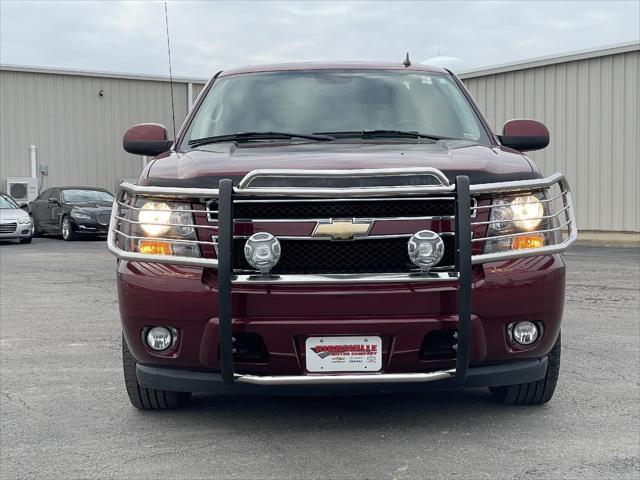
<point>24,220</point>
<point>80,215</point>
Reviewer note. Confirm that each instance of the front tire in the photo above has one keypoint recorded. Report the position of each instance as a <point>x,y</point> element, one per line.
<point>68,234</point>
<point>532,393</point>
<point>25,240</point>
<point>148,398</point>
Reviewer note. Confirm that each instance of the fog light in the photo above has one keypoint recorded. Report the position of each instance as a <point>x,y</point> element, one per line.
<point>159,338</point>
<point>525,333</point>
<point>426,249</point>
<point>262,251</point>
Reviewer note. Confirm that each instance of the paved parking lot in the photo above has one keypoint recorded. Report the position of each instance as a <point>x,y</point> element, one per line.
<point>64,411</point>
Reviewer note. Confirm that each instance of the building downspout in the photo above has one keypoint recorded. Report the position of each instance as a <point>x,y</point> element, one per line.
<point>33,155</point>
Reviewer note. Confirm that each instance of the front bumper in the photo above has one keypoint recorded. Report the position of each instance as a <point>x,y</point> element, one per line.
<point>89,227</point>
<point>181,380</point>
<point>22,230</point>
<point>401,313</point>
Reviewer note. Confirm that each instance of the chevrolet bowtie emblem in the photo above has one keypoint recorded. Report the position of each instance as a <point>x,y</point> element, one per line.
<point>342,229</point>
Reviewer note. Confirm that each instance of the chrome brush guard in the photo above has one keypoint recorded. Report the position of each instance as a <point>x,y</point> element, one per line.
<point>559,221</point>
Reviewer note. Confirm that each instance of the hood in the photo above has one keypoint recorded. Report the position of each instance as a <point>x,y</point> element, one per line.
<point>12,214</point>
<point>91,207</point>
<point>205,166</point>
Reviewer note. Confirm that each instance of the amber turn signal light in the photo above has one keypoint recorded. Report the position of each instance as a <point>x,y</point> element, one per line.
<point>527,241</point>
<point>154,247</point>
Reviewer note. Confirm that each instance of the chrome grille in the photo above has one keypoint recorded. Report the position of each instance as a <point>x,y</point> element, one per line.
<point>103,218</point>
<point>8,227</point>
<point>387,255</point>
<point>364,209</point>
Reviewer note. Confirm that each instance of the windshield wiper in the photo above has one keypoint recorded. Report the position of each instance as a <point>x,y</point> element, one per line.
<point>384,134</point>
<point>247,136</point>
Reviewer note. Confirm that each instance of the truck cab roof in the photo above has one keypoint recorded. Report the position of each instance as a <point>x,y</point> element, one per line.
<point>303,66</point>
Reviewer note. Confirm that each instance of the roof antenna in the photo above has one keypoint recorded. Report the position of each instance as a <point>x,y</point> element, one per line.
<point>173,111</point>
<point>407,62</point>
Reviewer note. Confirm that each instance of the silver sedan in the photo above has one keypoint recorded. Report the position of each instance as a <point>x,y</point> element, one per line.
<point>14,222</point>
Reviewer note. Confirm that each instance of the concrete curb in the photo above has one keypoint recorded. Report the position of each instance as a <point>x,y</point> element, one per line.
<point>607,239</point>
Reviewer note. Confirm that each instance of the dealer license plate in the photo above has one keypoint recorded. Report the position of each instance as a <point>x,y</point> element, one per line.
<point>343,354</point>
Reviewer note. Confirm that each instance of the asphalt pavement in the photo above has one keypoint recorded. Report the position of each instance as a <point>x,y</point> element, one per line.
<point>64,412</point>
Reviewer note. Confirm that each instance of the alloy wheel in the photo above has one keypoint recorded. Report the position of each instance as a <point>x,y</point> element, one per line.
<point>65,228</point>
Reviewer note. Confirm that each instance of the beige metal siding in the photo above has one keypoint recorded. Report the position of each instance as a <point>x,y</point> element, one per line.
<point>78,132</point>
<point>591,107</point>
<point>196,90</point>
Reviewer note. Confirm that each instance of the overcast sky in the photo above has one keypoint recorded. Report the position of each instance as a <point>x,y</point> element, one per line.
<point>209,36</point>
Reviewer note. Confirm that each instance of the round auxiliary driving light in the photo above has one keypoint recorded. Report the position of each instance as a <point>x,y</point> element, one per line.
<point>525,333</point>
<point>426,249</point>
<point>159,338</point>
<point>262,251</point>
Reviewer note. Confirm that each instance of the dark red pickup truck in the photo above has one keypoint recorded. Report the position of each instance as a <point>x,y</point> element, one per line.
<point>328,228</point>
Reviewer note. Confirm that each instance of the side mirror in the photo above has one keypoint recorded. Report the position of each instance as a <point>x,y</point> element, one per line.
<point>524,135</point>
<point>146,139</point>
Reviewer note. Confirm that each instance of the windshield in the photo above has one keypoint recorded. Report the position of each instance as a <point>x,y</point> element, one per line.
<point>6,202</point>
<point>309,102</point>
<point>86,196</point>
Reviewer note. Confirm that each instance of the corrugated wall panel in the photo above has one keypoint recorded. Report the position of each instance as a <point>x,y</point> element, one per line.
<point>591,107</point>
<point>78,132</point>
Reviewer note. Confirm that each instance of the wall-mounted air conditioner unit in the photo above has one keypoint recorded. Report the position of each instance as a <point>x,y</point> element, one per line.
<point>22,189</point>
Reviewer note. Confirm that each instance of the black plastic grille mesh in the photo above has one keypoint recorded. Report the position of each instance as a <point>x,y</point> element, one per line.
<point>344,209</point>
<point>351,256</point>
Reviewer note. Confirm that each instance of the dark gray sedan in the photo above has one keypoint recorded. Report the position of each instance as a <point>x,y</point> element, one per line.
<point>72,212</point>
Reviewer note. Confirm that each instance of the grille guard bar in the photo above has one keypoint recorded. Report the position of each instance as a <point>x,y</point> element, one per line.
<point>479,189</point>
<point>462,192</point>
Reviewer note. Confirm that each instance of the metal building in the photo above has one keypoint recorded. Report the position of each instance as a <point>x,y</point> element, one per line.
<point>76,121</point>
<point>589,101</point>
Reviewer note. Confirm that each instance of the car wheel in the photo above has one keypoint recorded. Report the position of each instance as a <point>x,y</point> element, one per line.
<point>67,230</point>
<point>532,393</point>
<point>25,240</point>
<point>148,398</point>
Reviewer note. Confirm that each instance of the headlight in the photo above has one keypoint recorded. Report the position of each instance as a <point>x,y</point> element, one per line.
<point>80,215</point>
<point>527,212</point>
<point>511,219</point>
<point>26,219</point>
<point>154,217</point>
<point>171,225</point>
<point>183,218</point>
<point>501,215</point>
